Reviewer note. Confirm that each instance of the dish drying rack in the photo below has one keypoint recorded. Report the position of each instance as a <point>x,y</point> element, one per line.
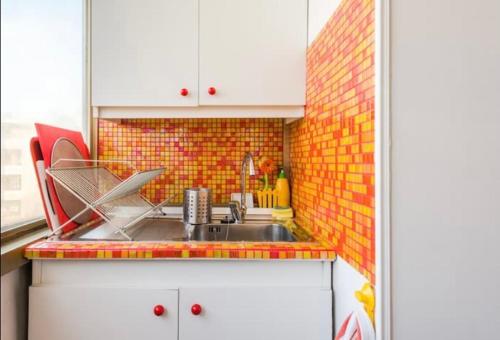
<point>116,200</point>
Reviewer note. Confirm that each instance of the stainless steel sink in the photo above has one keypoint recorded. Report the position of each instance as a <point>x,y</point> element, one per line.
<point>161,229</point>
<point>241,232</point>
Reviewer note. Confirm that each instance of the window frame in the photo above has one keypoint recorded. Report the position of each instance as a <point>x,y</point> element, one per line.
<point>17,231</point>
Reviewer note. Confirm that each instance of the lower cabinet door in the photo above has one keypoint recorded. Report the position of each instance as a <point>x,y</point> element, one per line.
<point>255,313</point>
<point>66,313</point>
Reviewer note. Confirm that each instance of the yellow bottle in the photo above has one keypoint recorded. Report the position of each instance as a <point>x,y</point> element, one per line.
<point>282,191</point>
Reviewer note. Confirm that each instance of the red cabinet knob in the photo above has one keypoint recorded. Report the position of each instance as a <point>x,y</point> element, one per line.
<point>159,310</point>
<point>184,92</point>
<point>196,309</point>
<point>211,91</point>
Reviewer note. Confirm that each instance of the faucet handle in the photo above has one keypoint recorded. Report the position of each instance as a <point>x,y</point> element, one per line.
<point>234,207</point>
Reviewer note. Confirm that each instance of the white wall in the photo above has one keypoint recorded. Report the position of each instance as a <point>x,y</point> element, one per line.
<point>445,105</point>
<point>14,304</point>
<point>319,13</point>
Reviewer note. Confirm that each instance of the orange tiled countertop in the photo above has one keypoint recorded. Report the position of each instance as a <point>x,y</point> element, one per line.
<point>306,249</point>
<point>178,250</point>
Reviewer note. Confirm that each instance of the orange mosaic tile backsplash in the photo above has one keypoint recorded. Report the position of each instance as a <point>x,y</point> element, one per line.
<point>332,147</point>
<point>196,152</point>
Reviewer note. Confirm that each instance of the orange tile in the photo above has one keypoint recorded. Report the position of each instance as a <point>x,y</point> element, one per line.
<point>335,139</point>
<point>196,152</point>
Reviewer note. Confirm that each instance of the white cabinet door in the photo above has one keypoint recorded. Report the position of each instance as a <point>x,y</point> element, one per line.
<point>83,313</point>
<point>253,52</point>
<point>276,313</point>
<point>144,52</point>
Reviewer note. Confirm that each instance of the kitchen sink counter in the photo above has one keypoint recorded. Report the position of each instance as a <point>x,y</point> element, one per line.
<point>204,277</point>
<point>304,248</point>
<point>178,250</point>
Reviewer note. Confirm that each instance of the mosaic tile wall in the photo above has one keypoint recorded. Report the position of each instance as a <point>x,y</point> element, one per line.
<point>332,147</point>
<point>196,152</point>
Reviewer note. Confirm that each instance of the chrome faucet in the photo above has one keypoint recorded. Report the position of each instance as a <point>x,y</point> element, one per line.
<point>234,208</point>
<point>251,169</point>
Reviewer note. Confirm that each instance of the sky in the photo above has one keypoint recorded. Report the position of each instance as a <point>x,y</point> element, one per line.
<point>42,61</point>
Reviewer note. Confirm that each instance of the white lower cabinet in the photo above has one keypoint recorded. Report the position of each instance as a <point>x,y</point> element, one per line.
<point>84,313</point>
<point>223,313</point>
<point>256,313</point>
<point>244,300</point>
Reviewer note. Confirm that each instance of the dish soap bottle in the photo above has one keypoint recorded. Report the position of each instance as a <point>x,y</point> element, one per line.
<point>282,191</point>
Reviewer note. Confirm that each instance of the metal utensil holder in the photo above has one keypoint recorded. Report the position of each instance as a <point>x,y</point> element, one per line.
<point>116,200</point>
<point>197,206</point>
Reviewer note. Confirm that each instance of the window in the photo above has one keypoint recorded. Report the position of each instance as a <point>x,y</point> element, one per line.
<point>41,81</point>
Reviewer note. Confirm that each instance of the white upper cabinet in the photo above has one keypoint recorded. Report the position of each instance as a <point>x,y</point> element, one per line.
<point>253,52</point>
<point>144,52</point>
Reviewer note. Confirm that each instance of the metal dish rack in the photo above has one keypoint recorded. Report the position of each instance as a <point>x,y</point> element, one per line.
<point>117,201</point>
